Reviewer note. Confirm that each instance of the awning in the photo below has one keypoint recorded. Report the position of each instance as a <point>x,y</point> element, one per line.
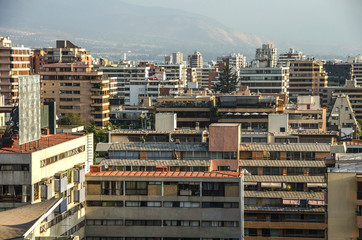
<point>315,185</point>
<point>271,185</point>
<point>291,202</point>
<point>316,202</point>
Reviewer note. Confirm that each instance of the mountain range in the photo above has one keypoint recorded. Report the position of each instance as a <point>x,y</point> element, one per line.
<point>110,28</point>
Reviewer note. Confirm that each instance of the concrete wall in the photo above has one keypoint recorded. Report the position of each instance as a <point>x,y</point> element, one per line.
<point>278,121</point>
<point>166,121</point>
<point>224,137</point>
<point>342,197</point>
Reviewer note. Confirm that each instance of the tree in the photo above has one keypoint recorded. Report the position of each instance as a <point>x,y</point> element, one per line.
<point>71,119</point>
<point>227,80</point>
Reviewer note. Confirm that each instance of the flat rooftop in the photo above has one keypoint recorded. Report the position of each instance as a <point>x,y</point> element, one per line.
<point>215,174</point>
<point>45,141</point>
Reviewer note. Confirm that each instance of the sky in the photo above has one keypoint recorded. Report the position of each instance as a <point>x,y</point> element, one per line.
<point>334,22</point>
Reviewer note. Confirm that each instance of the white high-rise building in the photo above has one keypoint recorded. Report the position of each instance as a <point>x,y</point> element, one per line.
<point>266,55</point>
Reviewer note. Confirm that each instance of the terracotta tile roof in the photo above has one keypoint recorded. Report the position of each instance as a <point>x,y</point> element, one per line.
<point>44,142</point>
<point>215,174</point>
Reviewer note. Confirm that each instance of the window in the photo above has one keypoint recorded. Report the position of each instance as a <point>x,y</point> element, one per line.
<point>213,189</point>
<point>282,129</point>
<point>136,188</point>
<point>250,201</point>
<point>188,189</point>
<point>271,171</point>
<point>143,222</point>
<point>252,170</point>
<point>295,171</point>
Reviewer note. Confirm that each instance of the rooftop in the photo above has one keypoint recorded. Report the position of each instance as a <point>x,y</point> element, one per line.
<point>44,142</point>
<point>165,174</point>
<point>16,222</point>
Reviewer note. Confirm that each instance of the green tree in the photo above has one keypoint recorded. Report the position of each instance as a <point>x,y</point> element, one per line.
<point>71,119</point>
<point>227,80</point>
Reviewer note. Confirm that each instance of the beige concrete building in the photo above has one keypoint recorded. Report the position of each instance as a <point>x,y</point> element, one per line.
<point>195,60</point>
<point>52,175</point>
<point>78,88</point>
<point>266,56</point>
<point>14,62</point>
<point>164,205</point>
<point>307,77</point>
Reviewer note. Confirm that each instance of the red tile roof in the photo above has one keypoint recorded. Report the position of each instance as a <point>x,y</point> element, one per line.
<point>44,142</point>
<point>215,174</point>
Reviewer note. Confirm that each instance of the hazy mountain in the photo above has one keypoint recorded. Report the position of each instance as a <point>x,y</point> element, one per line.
<point>111,27</point>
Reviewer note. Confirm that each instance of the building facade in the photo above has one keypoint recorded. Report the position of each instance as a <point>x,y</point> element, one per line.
<point>77,88</point>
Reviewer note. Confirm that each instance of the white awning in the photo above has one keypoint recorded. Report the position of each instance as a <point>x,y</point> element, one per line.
<point>316,202</point>
<point>315,185</point>
<point>291,202</point>
<point>271,185</point>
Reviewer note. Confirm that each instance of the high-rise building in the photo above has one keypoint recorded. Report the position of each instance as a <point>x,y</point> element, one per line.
<point>266,56</point>
<point>177,58</point>
<point>265,80</point>
<point>77,87</point>
<point>66,52</point>
<point>168,60</point>
<point>306,77</point>
<point>357,67</point>
<point>292,55</point>
<point>14,62</point>
<point>235,60</point>
<point>195,60</point>
<point>338,73</point>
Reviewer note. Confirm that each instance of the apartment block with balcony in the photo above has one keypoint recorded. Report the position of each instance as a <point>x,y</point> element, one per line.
<point>307,77</point>
<point>66,52</point>
<point>164,205</point>
<point>52,175</point>
<point>78,88</point>
<point>251,111</point>
<point>192,111</point>
<point>285,190</point>
<point>14,62</point>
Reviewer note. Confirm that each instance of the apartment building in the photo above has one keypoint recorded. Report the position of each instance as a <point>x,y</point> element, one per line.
<point>164,205</point>
<point>345,213</point>
<point>357,67</point>
<point>307,114</point>
<point>192,111</point>
<point>290,56</point>
<point>178,58</point>
<point>195,60</point>
<point>77,87</point>
<point>265,80</point>
<point>285,193</point>
<point>251,111</point>
<point>266,56</point>
<point>351,89</point>
<point>175,71</point>
<point>338,73</point>
<point>51,177</point>
<point>66,52</point>
<point>204,77</point>
<point>307,77</point>
<point>14,62</point>
<point>235,60</point>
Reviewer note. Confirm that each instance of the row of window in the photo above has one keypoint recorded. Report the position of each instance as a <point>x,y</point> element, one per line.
<point>61,156</point>
<point>165,204</point>
<point>285,233</point>
<point>155,238</point>
<point>164,223</point>
<point>14,167</point>
<point>289,170</point>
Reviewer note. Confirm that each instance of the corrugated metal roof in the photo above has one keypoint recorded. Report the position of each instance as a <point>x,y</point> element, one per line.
<point>103,147</point>
<point>291,147</point>
<point>138,162</point>
<point>152,147</point>
<point>284,179</point>
<point>165,174</point>
<point>280,163</point>
<point>284,209</point>
<point>285,195</point>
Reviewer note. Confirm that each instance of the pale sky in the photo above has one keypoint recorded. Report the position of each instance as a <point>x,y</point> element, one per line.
<point>330,21</point>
